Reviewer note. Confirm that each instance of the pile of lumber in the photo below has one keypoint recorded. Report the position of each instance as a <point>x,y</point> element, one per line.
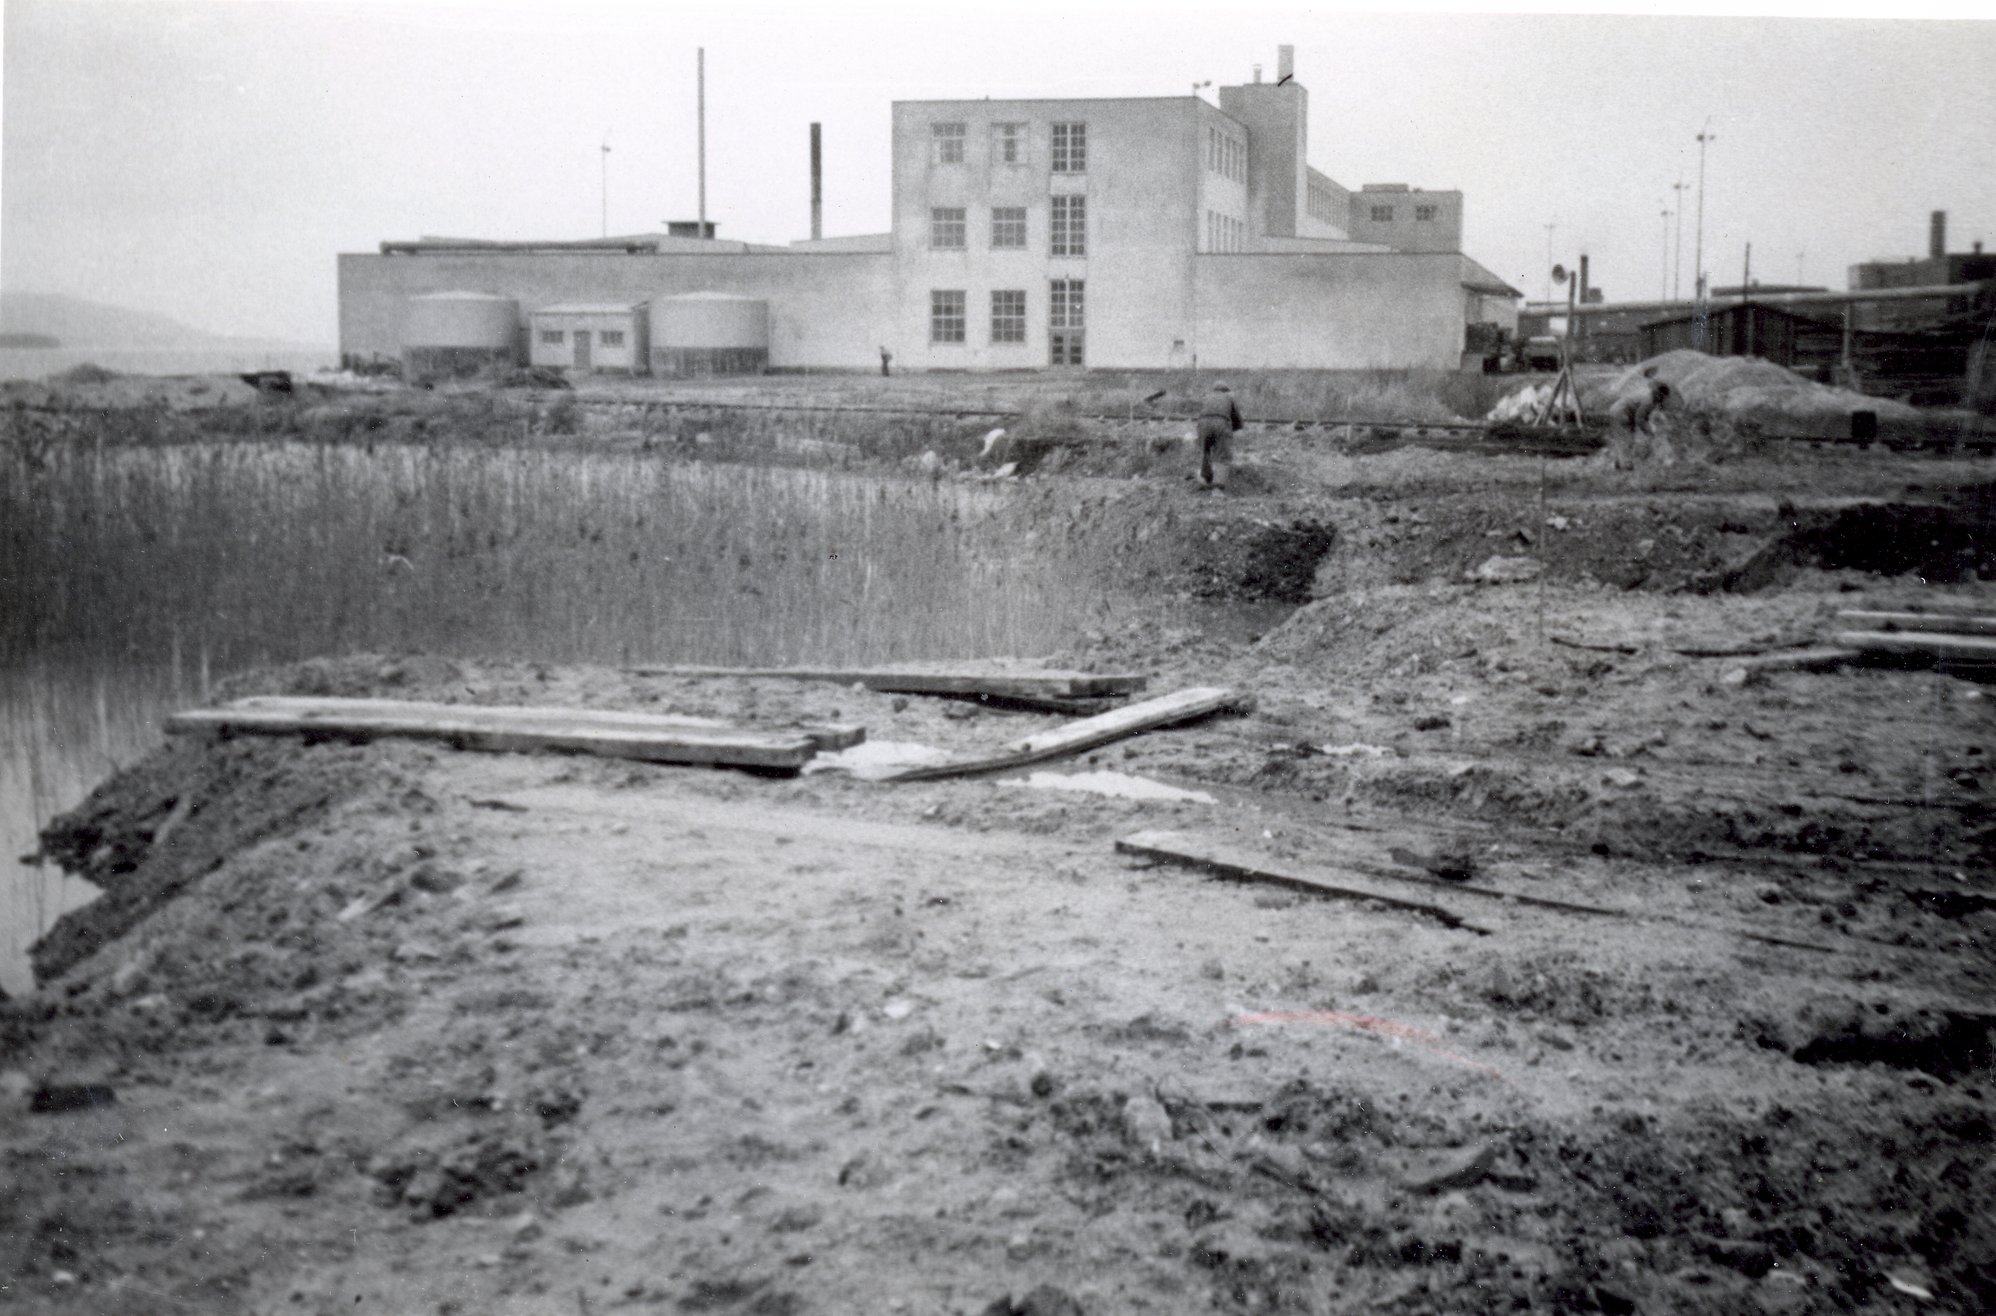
<point>1944,638</point>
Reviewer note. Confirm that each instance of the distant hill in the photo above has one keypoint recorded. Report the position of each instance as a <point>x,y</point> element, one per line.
<point>77,323</point>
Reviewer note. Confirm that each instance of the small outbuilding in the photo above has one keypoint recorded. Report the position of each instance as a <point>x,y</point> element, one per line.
<point>600,336</point>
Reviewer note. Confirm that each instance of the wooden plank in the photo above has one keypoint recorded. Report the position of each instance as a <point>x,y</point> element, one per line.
<point>933,679</point>
<point>1970,649</point>
<point>720,747</point>
<point>1946,623</point>
<point>1243,866</point>
<point>1823,659</point>
<point>828,737</point>
<point>1166,710</point>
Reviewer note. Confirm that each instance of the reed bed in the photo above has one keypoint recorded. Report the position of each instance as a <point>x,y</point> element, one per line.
<point>231,555</point>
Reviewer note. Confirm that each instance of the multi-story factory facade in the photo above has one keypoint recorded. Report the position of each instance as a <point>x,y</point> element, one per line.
<point>1126,233</point>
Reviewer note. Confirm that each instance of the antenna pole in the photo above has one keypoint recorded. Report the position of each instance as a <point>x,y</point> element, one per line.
<point>702,70</point>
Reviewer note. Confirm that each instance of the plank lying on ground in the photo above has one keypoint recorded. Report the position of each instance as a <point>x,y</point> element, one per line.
<point>1824,659</point>
<point>508,731</point>
<point>1948,623</point>
<point>1978,649</point>
<point>936,679</point>
<point>1236,865</point>
<point>828,737</point>
<point>1164,711</point>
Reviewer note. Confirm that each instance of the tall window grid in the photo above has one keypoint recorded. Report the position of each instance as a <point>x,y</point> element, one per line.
<point>949,142</point>
<point>946,315</point>
<point>1008,315</point>
<point>1224,232</point>
<point>1064,322</point>
<point>1070,148</point>
<point>1069,226</point>
<point>946,228</point>
<point>1008,143</point>
<point>1225,155</point>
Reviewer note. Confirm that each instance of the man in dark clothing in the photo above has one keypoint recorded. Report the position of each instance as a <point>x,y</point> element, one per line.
<point>1218,419</point>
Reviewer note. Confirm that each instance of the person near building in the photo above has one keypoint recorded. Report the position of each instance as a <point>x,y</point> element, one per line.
<point>1219,417</point>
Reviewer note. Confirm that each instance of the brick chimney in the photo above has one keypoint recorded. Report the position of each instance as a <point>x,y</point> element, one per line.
<point>1937,235</point>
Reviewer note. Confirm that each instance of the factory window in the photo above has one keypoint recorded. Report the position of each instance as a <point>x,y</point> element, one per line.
<point>946,316</point>
<point>1213,149</point>
<point>1064,323</point>
<point>1070,148</point>
<point>1070,226</point>
<point>949,143</point>
<point>946,228</point>
<point>1382,214</point>
<point>611,337</point>
<point>1425,214</point>
<point>1008,143</point>
<point>1008,227</point>
<point>553,337</point>
<point>1008,316</point>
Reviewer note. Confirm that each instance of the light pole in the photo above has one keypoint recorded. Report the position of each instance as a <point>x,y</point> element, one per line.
<point>1677,245</point>
<point>606,182</point>
<point>1705,137</point>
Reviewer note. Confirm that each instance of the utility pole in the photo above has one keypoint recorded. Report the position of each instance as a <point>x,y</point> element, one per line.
<point>1677,249</point>
<point>1705,138</point>
<point>701,67</point>
<point>1663,288</point>
<point>606,182</point>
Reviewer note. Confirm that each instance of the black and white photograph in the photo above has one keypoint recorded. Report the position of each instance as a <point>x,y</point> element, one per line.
<point>996,661</point>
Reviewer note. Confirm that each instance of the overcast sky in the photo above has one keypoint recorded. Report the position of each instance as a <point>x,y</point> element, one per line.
<point>208,159</point>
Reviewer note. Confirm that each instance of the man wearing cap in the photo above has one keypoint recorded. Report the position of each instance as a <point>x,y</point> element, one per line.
<point>1218,419</point>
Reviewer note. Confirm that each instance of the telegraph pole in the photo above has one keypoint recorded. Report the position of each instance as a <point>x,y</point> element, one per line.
<point>1663,290</point>
<point>1705,137</point>
<point>606,183</point>
<point>1677,248</point>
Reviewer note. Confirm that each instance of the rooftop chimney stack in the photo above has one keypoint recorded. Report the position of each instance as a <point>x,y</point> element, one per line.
<point>1937,235</point>
<point>1285,64</point>
<point>817,187</point>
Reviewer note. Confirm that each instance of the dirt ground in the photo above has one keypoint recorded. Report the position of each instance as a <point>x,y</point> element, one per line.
<point>391,1028</point>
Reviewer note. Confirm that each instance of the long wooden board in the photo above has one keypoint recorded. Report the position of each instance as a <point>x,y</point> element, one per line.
<point>828,737</point>
<point>1976,649</point>
<point>515,730</point>
<point>1238,865</point>
<point>1089,732</point>
<point>1945,623</point>
<point>936,679</point>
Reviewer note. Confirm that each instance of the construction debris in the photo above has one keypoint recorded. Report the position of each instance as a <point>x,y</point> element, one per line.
<point>1237,865</point>
<point>653,738</point>
<point>1166,710</point>
<point>997,679</point>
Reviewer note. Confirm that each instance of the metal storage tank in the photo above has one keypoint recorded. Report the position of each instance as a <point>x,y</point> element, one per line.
<point>709,333</point>
<point>453,334</point>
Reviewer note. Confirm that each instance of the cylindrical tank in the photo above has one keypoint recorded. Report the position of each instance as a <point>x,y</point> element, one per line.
<point>709,333</point>
<point>453,334</point>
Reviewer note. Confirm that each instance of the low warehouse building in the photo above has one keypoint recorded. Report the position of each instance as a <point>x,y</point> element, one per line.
<point>591,336</point>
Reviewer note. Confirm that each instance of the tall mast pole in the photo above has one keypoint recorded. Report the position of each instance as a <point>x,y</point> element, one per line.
<point>702,70</point>
<point>1705,137</point>
<point>1677,245</point>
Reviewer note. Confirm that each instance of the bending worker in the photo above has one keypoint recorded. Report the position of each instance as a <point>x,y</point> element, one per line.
<point>1218,419</point>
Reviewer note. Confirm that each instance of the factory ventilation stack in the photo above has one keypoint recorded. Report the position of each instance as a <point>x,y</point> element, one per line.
<point>448,335</point>
<point>817,187</point>
<point>709,333</point>
<point>1937,235</point>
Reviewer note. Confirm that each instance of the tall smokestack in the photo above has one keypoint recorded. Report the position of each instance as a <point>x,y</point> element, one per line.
<point>701,66</point>
<point>1937,235</point>
<point>1285,64</point>
<point>817,187</point>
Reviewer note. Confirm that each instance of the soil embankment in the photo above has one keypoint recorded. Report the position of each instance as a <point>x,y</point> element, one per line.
<point>390,1027</point>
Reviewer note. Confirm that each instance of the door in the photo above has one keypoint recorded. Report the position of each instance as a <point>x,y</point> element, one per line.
<point>582,349</point>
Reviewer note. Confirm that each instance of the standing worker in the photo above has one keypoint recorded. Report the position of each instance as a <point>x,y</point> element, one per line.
<point>1218,419</point>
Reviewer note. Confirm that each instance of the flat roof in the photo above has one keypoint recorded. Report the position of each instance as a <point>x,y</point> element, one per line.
<point>590,308</point>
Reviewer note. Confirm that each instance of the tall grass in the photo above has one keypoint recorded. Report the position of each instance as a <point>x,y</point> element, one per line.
<point>231,555</point>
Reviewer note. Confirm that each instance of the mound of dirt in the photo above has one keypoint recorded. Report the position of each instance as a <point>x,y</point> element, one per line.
<point>1745,389</point>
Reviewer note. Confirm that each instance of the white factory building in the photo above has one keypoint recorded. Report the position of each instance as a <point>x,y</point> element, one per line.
<point>1137,233</point>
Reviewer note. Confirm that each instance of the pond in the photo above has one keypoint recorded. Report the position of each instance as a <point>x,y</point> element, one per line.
<point>133,578</point>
